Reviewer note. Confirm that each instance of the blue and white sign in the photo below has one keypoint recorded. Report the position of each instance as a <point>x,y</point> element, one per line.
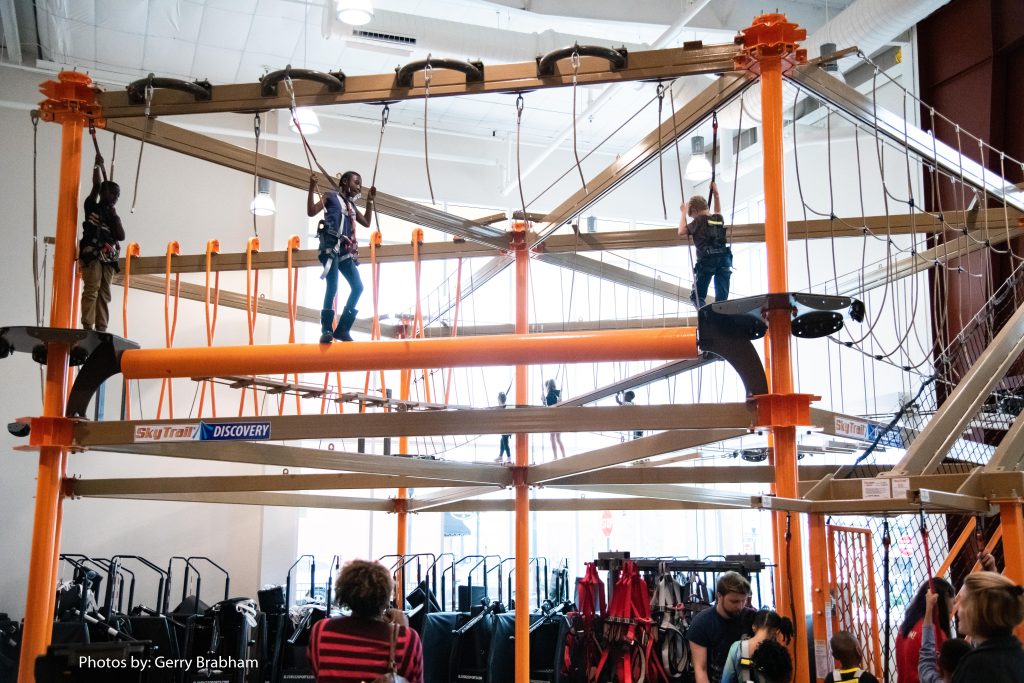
<point>234,431</point>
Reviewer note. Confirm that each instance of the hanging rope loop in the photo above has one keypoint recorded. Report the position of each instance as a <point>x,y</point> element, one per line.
<point>428,72</point>
<point>520,104</point>
<point>661,167</point>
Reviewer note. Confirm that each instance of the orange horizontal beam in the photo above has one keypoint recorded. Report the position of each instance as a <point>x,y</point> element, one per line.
<point>550,347</point>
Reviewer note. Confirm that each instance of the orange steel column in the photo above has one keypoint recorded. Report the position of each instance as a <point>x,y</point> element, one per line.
<point>70,103</point>
<point>769,43</point>
<point>1011,521</point>
<point>522,625</point>
<point>402,501</point>
<point>816,539</point>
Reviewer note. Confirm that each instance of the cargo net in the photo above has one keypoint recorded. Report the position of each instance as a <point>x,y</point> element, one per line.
<point>986,429</point>
<point>870,600</point>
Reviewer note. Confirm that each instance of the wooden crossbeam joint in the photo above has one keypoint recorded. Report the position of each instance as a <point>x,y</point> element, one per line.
<point>400,505</point>
<point>784,410</point>
<point>72,97</point>
<point>520,476</point>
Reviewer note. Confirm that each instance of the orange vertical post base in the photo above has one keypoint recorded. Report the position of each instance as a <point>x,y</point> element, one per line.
<point>1011,520</point>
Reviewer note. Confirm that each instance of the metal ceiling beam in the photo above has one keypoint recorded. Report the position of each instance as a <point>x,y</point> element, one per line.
<point>598,504</point>
<point>703,474</point>
<point>497,78</point>
<point>904,134</point>
<point>291,500</point>
<point>447,496</point>
<point>296,456</point>
<point>947,425</point>
<point>161,134</point>
<point>698,418</point>
<point>637,449</point>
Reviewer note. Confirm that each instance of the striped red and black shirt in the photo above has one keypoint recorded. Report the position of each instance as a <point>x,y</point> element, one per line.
<point>355,650</point>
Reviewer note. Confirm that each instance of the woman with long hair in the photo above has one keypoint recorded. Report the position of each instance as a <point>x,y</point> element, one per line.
<point>908,640</point>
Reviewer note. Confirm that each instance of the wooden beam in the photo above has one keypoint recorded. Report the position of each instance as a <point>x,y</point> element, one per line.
<point>628,451</point>
<point>291,500</point>
<point>295,456</point>
<point>497,78</point>
<point>691,494</point>
<point>619,275</point>
<point>262,482</point>
<point>575,505</point>
<point>446,496</point>
<point>702,474</point>
<point>570,326</point>
<point>699,418</point>
<point>241,159</point>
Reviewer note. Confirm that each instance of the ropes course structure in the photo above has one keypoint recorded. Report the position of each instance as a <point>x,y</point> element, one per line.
<point>943,431</point>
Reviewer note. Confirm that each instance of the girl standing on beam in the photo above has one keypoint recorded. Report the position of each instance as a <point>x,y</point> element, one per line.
<point>339,249</point>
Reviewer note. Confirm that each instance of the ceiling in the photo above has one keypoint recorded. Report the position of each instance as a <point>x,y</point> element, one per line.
<point>229,41</point>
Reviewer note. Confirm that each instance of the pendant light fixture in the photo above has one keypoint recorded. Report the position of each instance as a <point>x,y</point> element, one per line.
<point>263,204</point>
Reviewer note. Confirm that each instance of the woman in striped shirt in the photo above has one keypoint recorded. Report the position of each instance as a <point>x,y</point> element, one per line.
<point>355,649</point>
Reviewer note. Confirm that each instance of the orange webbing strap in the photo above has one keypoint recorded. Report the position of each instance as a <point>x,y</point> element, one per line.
<point>375,241</point>
<point>131,250</point>
<point>252,290</point>
<point>170,325</point>
<point>212,247</point>
<point>417,321</point>
<point>455,327</point>
<point>293,298</point>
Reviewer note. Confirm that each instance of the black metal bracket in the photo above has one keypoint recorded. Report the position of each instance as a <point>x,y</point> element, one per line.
<point>98,354</point>
<point>334,81</point>
<point>202,91</point>
<point>617,58</point>
<point>726,328</point>
<point>474,70</point>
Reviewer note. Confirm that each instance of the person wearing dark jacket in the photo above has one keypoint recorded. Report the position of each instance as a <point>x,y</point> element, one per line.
<point>99,249</point>
<point>989,607</point>
<point>714,257</point>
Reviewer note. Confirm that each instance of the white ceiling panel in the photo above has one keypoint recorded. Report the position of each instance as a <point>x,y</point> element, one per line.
<point>175,19</point>
<point>128,16</point>
<point>170,57</point>
<point>81,43</point>
<point>225,28</point>
<point>220,64</point>
<point>274,36</point>
<point>245,6</point>
<point>291,10</point>
<point>116,49</point>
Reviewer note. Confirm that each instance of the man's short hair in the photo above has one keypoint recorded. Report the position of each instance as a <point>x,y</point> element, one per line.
<point>732,582</point>
<point>846,649</point>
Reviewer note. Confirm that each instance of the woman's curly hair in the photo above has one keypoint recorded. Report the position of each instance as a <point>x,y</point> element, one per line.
<point>365,587</point>
<point>771,659</point>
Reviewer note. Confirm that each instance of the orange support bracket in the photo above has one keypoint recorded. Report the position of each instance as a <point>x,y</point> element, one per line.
<point>252,289</point>
<point>212,249</point>
<point>294,243</point>
<point>131,251</point>
<point>170,324</point>
<point>375,242</point>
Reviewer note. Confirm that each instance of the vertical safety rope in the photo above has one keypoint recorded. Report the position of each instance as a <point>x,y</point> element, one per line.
<point>661,166</point>
<point>428,73</point>
<point>131,250</point>
<point>96,146</point>
<point>376,162</point>
<point>212,248</point>
<point>455,327</point>
<point>886,542</point>
<point>714,152</point>
<point>256,167</point>
<point>575,60</point>
<point>417,322</point>
<point>927,550</point>
<point>375,242</point>
<point>679,170</point>
<point>519,165</point>
<point>35,233</point>
<point>142,144</point>
<point>252,288</point>
<point>293,298</point>
<point>170,325</point>
<point>113,156</point>
<point>789,578</point>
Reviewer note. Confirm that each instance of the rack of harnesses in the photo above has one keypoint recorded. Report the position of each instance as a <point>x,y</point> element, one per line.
<point>631,626</point>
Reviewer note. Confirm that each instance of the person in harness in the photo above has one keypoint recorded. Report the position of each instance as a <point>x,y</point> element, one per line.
<point>846,652</point>
<point>338,248</point>
<point>99,249</point>
<point>768,625</point>
<point>714,257</point>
